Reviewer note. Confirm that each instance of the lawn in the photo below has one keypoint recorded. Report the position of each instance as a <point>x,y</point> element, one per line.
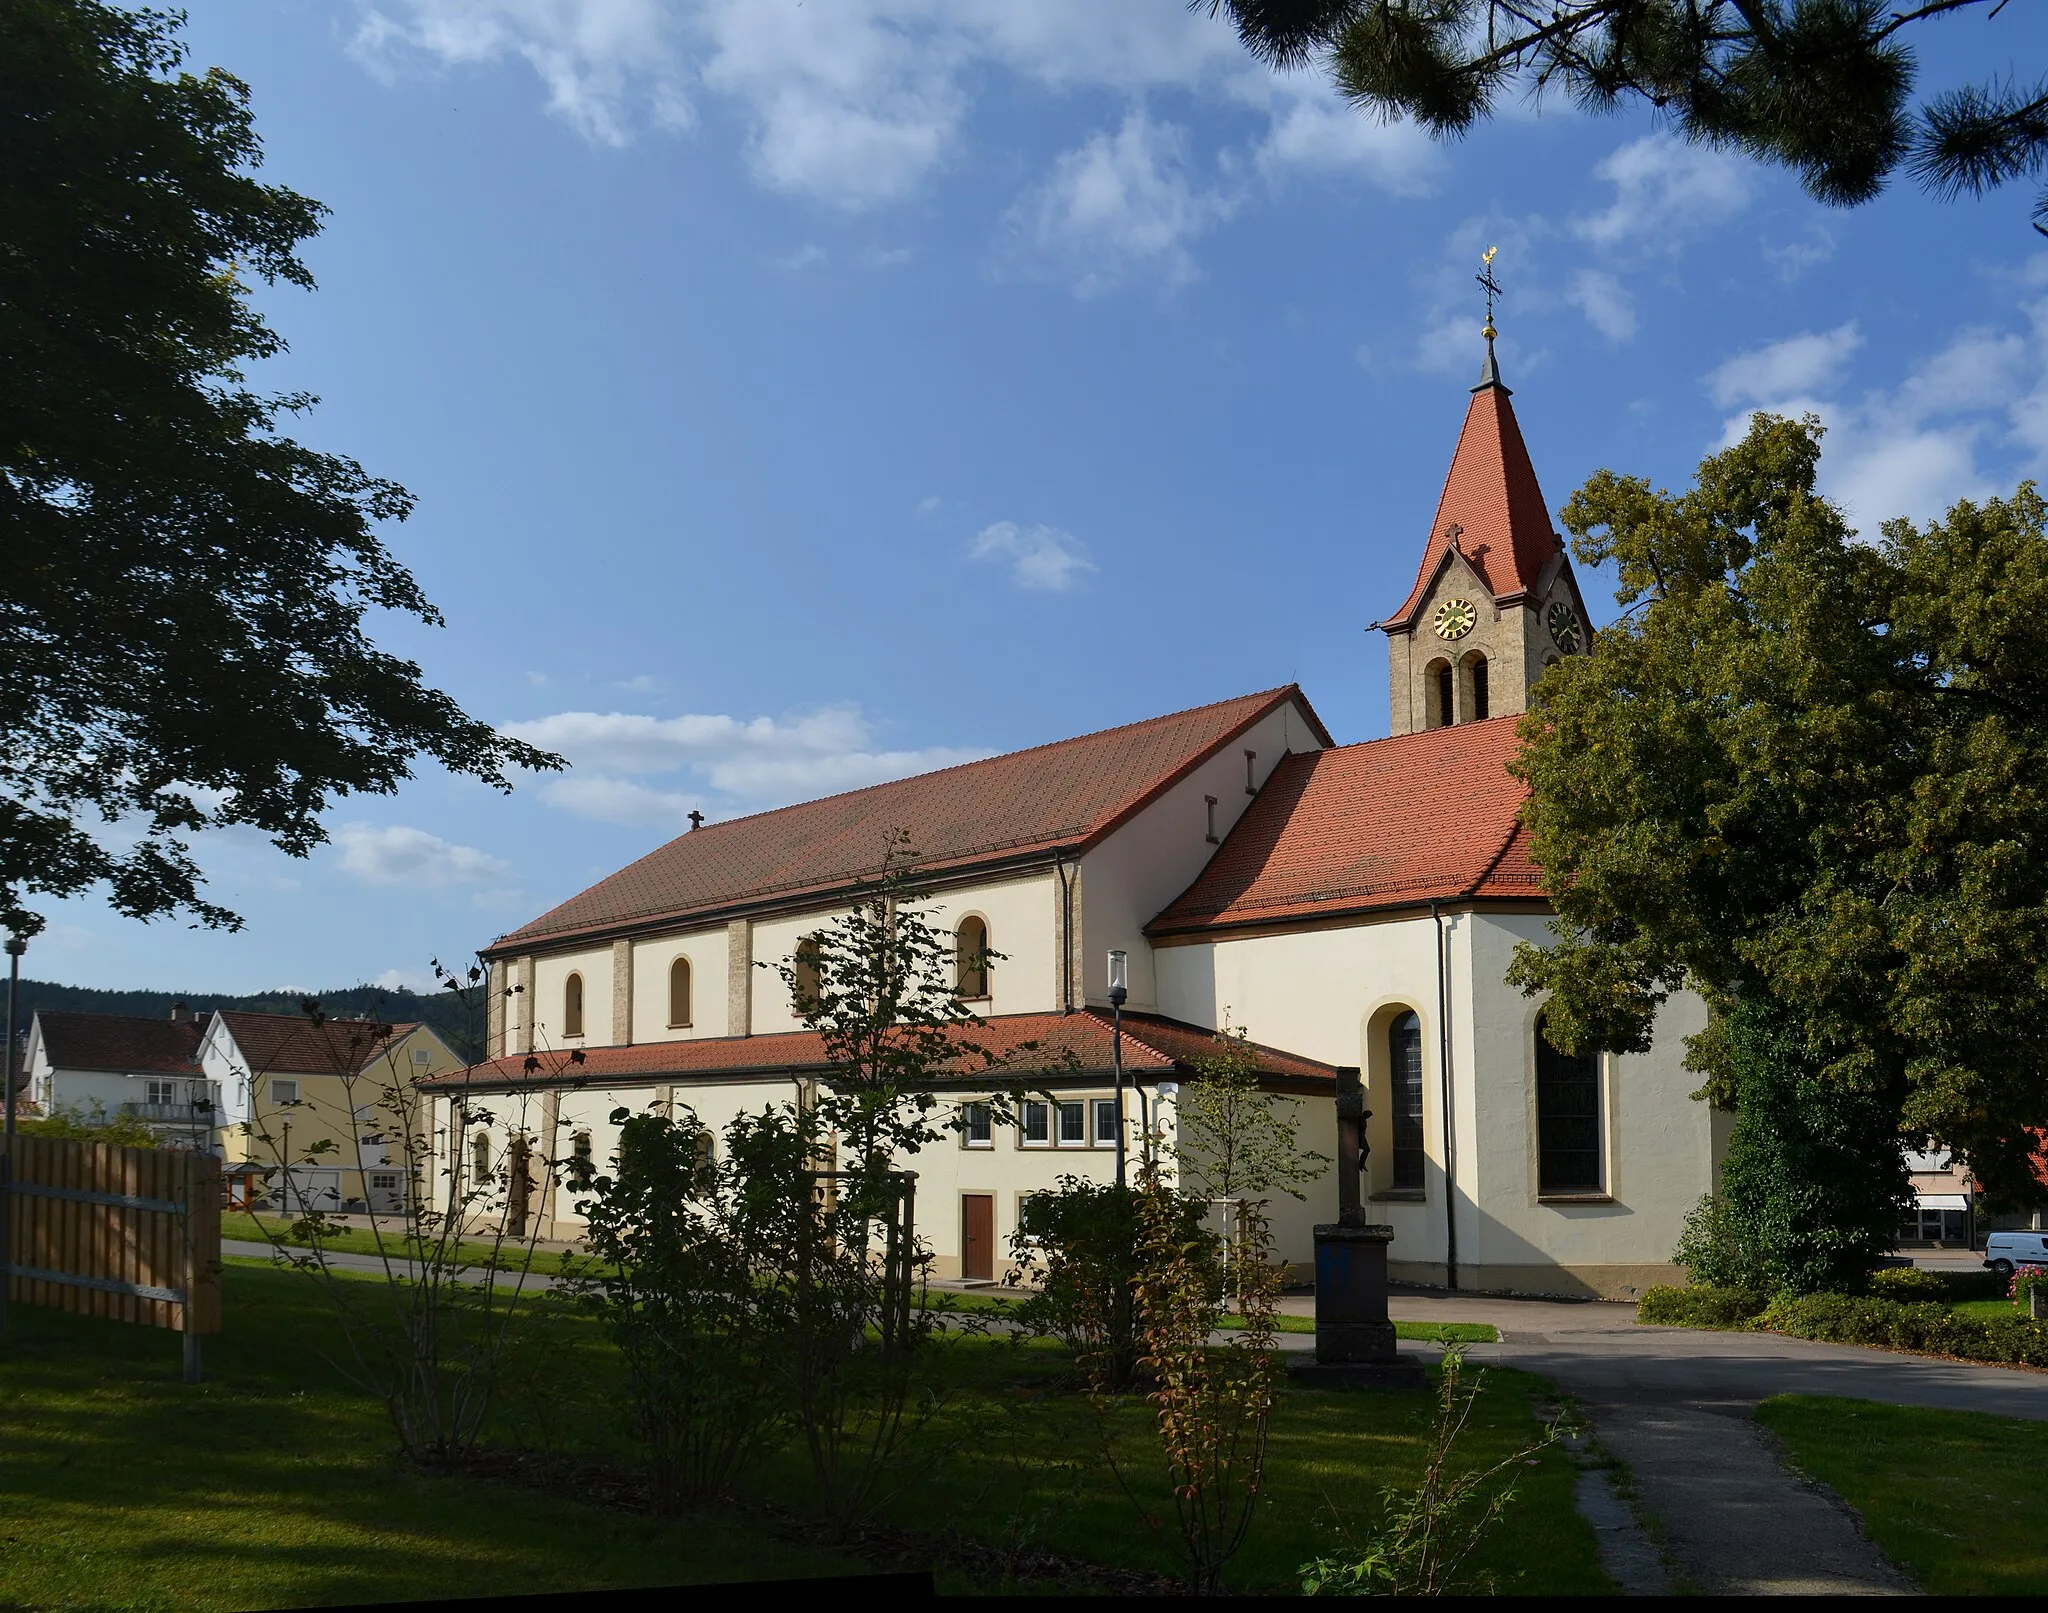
<point>977,1299</point>
<point>274,1484</point>
<point>247,1227</point>
<point>1952,1497</point>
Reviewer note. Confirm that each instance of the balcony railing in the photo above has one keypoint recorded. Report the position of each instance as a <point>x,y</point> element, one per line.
<point>182,1114</point>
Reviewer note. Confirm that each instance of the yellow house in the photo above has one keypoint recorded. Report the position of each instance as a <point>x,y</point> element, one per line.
<point>323,1107</point>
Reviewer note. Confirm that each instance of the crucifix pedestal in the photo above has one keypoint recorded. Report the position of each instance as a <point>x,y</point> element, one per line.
<point>1355,1344</point>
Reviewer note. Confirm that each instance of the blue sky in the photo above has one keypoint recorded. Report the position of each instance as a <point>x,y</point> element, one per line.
<point>803,394</point>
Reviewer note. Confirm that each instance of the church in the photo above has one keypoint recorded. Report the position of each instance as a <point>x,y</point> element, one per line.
<point>1344,905</point>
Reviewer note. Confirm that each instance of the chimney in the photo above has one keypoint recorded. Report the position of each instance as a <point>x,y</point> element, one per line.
<point>180,1014</point>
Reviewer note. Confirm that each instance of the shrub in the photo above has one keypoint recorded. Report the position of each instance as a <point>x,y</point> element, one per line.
<point>1080,1245</point>
<point>1714,1251</point>
<point>1700,1305</point>
<point>1906,1283</point>
<point>2025,1279</point>
<point>1924,1326</point>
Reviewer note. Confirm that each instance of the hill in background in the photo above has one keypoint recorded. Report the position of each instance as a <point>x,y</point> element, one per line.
<point>443,1010</point>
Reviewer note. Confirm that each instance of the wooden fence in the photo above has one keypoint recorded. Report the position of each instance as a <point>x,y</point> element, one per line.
<point>129,1234</point>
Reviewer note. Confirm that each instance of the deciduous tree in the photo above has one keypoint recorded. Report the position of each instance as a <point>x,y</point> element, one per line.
<point>182,607</point>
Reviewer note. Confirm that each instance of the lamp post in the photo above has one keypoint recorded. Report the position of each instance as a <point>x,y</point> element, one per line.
<point>1119,990</point>
<point>16,946</point>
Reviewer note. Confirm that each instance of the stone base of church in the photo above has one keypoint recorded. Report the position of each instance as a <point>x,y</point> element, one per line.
<point>1622,1282</point>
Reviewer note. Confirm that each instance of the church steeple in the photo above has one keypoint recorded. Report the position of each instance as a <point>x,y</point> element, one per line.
<point>1494,599</point>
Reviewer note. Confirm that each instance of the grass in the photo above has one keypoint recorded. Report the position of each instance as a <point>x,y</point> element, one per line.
<point>1422,1332</point>
<point>275,1484</point>
<point>1986,1309</point>
<point>247,1227</point>
<point>1952,1497</point>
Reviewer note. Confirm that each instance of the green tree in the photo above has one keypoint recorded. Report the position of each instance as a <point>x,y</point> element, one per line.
<point>1823,87</point>
<point>1233,1140</point>
<point>1810,770</point>
<point>182,606</point>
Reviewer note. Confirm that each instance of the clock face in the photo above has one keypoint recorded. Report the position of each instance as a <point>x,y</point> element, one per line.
<point>1563,622</point>
<point>1454,618</point>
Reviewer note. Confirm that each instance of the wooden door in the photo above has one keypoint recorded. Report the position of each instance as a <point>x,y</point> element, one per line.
<point>978,1236</point>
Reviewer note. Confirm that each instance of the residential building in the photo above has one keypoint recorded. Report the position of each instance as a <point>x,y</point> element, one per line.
<point>100,1067</point>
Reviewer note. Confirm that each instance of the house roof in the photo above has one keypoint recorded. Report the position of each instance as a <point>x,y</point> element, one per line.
<point>1491,511</point>
<point>1068,794</point>
<point>1389,823</point>
<point>291,1044</point>
<point>1027,1044</point>
<point>82,1041</point>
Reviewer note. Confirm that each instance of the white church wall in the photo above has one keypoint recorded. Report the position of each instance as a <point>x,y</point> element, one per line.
<point>551,973</point>
<point>1021,915</point>
<point>1130,878</point>
<point>709,955</point>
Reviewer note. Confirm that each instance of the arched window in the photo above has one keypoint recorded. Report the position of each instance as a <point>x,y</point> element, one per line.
<point>1477,673</point>
<point>1446,696</point>
<point>970,959</point>
<point>808,971</point>
<point>480,1156</point>
<point>1404,1066</point>
<point>679,993</point>
<point>1567,1119</point>
<point>572,1006</point>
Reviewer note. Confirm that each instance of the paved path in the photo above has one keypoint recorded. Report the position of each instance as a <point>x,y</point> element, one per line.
<point>1674,1404</point>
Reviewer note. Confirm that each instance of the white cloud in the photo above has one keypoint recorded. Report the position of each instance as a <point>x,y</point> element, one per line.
<point>1313,131</point>
<point>1608,309</point>
<point>1794,258</point>
<point>633,769</point>
<point>1121,206</point>
<point>1665,190</point>
<point>1039,557</point>
<point>1966,422</point>
<point>1793,367</point>
<point>608,65</point>
<point>398,855</point>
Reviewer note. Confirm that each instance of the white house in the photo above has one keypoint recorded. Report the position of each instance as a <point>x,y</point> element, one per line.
<point>115,1066</point>
<point>1346,905</point>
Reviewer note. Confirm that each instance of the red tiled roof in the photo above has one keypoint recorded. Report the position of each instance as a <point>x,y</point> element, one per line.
<point>1389,823</point>
<point>78,1041</point>
<point>1065,794</point>
<point>290,1044</point>
<point>1492,499</point>
<point>1027,1045</point>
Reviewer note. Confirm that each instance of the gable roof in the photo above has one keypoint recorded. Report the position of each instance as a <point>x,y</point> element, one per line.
<point>1389,823</point>
<point>1065,795</point>
<point>123,1042</point>
<point>1491,510</point>
<point>291,1044</point>
<point>1152,1046</point>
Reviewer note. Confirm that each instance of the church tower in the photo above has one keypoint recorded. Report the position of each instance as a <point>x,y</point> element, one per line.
<point>1494,601</point>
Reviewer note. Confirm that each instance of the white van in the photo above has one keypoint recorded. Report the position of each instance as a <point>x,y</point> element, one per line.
<point>2005,1250</point>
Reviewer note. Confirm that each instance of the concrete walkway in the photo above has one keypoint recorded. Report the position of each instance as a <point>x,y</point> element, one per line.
<point>1674,1404</point>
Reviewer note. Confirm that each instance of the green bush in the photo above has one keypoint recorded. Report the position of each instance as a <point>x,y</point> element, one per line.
<point>1700,1305</point>
<point>1714,1251</point>
<point>1923,1326</point>
<point>1908,1283</point>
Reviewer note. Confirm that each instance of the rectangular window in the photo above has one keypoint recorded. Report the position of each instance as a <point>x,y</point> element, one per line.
<point>975,1127</point>
<point>421,1055</point>
<point>284,1092</point>
<point>1567,1120</point>
<point>1034,1123</point>
<point>160,1092</point>
<point>1105,1122</point>
<point>1073,1123</point>
<point>384,1181</point>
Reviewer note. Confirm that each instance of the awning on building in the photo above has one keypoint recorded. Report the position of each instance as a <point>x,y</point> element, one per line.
<point>1942,1201</point>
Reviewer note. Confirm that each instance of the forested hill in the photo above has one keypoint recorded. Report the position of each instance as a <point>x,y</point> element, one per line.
<point>442,1010</point>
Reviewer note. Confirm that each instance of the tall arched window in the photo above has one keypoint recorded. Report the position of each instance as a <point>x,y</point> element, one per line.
<point>572,1006</point>
<point>1446,696</point>
<point>679,993</point>
<point>970,959</point>
<point>1567,1120</point>
<point>480,1156</point>
<point>1477,673</point>
<point>1404,1066</point>
<point>808,969</point>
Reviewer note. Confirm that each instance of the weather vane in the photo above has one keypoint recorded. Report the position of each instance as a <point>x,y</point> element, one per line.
<point>1485,278</point>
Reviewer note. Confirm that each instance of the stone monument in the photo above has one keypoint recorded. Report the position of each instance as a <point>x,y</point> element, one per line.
<point>1354,1336</point>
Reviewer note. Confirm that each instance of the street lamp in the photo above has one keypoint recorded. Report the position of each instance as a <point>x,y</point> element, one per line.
<point>1119,991</point>
<point>16,946</point>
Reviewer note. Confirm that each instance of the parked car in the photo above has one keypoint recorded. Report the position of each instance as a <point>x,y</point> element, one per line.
<point>2005,1250</point>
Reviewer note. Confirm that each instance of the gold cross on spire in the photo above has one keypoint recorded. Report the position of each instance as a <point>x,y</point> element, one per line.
<point>1485,278</point>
